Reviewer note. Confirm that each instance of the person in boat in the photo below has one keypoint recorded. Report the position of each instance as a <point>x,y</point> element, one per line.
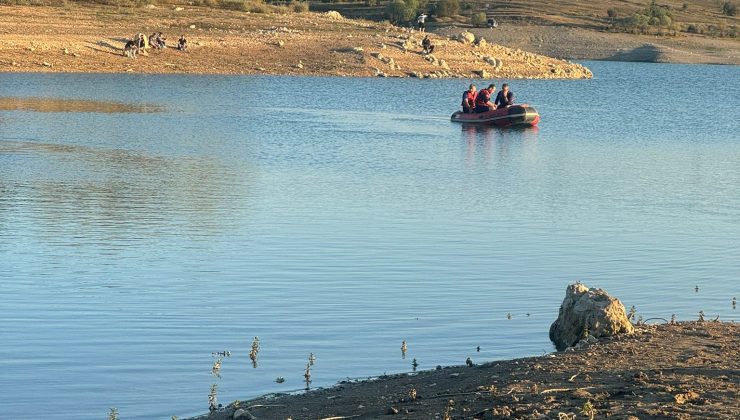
<point>426,45</point>
<point>505,97</point>
<point>483,99</point>
<point>468,99</point>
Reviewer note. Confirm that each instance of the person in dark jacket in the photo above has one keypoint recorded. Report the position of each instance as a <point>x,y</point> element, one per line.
<point>505,97</point>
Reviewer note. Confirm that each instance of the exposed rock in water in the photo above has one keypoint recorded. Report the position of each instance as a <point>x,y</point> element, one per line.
<point>588,311</point>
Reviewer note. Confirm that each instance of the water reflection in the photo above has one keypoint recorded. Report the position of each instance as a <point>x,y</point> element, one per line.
<point>72,194</point>
<point>74,105</point>
<point>487,143</point>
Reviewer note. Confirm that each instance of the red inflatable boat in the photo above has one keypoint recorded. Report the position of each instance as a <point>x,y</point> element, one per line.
<point>515,115</point>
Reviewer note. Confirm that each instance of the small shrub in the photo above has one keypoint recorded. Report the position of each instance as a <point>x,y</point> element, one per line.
<point>729,9</point>
<point>300,7</point>
<point>612,13</point>
<point>448,7</point>
<point>478,19</point>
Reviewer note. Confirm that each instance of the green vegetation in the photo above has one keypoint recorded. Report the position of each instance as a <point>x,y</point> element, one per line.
<point>447,7</point>
<point>729,9</point>
<point>478,19</point>
<point>654,18</point>
<point>398,11</point>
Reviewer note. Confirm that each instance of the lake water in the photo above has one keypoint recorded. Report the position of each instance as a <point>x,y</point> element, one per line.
<point>340,217</point>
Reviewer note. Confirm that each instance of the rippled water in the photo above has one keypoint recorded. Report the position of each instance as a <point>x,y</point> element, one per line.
<point>340,217</point>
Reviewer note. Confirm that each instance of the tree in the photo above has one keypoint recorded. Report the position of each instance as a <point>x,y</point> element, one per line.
<point>448,7</point>
<point>729,9</point>
<point>401,10</point>
<point>478,19</point>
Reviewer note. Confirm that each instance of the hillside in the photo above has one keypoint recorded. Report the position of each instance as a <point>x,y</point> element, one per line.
<point>85,38</point>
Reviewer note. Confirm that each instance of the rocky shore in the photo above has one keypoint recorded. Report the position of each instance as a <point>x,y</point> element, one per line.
<point>608,368</point>
<point>682,370</point>
<point>91,39</point>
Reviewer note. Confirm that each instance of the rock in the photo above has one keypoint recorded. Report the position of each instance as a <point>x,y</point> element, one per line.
<point>333,14</point>
<point>588,310</point>
<point>191,26</point>
<point>392,411</point>
<point>179,9</point>
<point>443,64</point>
<point>358,49</point>
<point>378,55</point>
<point>299,65</point>
<point>46,64</point>
<point>416,74</point>
<point>482,42</point>
<point>686,397</point>
<point>242,414</point>
<point>280,43</point>
<point>466,37</point>
<point>482,73</point>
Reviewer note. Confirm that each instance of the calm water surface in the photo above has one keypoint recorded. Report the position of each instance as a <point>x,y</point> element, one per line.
<point>340,217</point>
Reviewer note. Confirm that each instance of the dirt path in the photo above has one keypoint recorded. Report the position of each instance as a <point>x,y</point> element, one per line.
<point>686,370</point>
<point>91,39</point>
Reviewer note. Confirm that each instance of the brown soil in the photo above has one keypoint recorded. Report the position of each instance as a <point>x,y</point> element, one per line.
<point>91,39</point>
<point>576,43</point>
<point>686,370</point>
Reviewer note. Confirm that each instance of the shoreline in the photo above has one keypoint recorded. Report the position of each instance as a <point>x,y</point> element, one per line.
<point>40,39</point>
<point>682,370</point>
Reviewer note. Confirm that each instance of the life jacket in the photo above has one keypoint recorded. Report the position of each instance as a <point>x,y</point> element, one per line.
<point>483,97</point>
<point>468,96</point>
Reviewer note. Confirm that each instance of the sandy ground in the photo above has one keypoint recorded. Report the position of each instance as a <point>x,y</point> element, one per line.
<point>586,44</point>
<point>680,371</point>
<point>91,39</point>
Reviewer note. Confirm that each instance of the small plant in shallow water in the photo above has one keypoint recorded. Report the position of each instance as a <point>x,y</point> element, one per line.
<point>696,289</point>
<point>311,359</point>
<point>216,369</point>
<point>673,318</point>
<point>254,351</point>
<point>631,314</point>
<point>279,379</point>
<point>469,362</point>
<point>640,321</point>
<point>307,375</point>
<point>113,414</point>
<point>508,316</point>
<point>414,364</point>
<point>585,333</point>
<point>213,398</point>
<point>701,316</point>
<point>734,303</point>
<point>404,348</point>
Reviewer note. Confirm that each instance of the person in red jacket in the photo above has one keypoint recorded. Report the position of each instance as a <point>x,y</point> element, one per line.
<point>468,99</point>
<point>483,99</point>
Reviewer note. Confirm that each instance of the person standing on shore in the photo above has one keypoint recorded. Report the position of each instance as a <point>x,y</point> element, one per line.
<point>421,22</point>
<point>505,97</point>
<point>483,99</point>
<point>468,99</point>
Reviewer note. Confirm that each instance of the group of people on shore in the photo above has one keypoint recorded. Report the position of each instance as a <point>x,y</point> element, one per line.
<point>480,101</point>
<point>140,43</point>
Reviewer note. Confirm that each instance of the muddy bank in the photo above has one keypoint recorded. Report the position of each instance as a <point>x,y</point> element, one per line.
<point>684,370</point>
<point>91,39</point>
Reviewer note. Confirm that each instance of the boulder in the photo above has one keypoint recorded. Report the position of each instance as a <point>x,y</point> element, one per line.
<point>333,14</point>
<point>466,37</point>
<point>591,311</point>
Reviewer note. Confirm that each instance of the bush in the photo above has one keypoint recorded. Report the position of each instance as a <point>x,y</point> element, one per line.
<point>448,7</point>
<point>478,19</point>
<point>399,11</point>
<point>729,9</point>
<point>612,13</point>
<point>300,6</point>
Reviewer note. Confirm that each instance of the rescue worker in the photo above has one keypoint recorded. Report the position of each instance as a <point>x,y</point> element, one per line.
<point>505,97</point>
<point>468,99</point>
<point>483,99</point>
